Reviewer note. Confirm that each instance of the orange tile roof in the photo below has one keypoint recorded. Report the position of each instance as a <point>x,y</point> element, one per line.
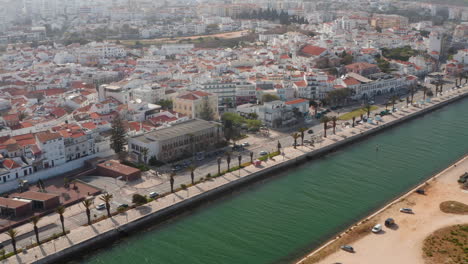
<point>296,101</point>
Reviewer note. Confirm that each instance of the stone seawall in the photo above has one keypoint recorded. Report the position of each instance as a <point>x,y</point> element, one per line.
<point>105,239</point>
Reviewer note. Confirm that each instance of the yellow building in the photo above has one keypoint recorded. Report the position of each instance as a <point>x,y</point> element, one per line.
<point>195,103</point>
<point>389,21</point>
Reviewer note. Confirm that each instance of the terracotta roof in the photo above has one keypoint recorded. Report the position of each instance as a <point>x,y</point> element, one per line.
<point>4,202</point>
<point>296,101</point>
<point>47,136</point>
<point>301,84</point>
<point>201,93</point>
<point>58,112</point>
<point>10,164</point>
<point>37,196</point>
<point>351,81</point>
<point>313,50</point>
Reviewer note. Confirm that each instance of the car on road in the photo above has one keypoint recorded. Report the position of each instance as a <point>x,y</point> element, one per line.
<point>176,167</point>
<point>306,141</point>
<point>245,144</point>
<point>347,248</point>
<point>263,153</point>
<point>377,228</point>
<point>153,195</point>
<point>310,131</point>
<point>122,206</point>
<point>406,210</point>
<point>420,191</point>
<point>101,206</point>
<point>371,102</point>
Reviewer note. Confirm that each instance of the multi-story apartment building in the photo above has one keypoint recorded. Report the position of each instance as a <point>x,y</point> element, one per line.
<point>179,140</point>
<point>226,92</point>
<point>193,104</point>
<point>245,93</point>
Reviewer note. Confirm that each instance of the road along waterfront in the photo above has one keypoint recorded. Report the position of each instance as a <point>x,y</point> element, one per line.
<point>277,220</point>
<point>250,225</point>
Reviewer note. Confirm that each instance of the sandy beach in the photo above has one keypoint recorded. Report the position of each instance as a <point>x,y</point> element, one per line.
<point>403,243</point>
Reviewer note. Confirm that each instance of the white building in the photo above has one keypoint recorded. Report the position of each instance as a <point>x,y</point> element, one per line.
<point>52,147</point>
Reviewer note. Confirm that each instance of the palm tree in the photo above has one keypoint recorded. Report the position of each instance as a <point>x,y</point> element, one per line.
<point>368,109</point>
<point>228,160</point>
<point>315,105</point>
<point>192,173</point>
<point>302,130</point>
<point>279,146</point>
<point>425,89</point>
<point>144,152</point>
<point>219,165</point>
<point>87,203</point>
<point>325,121</point>
<point>354,120</point>
<point>386,105</point>
<point>295,137</point>
<point>251,156</point>
<point>394,100</point>
<point>333,119</point>
<point>171,181</point>
<point>12,233</point>
<point>34,220</point>
<point>61,210</point>
<point>430,93</point>
<point>412,91</point>
<point>240,160</point>
<point>107,198</point>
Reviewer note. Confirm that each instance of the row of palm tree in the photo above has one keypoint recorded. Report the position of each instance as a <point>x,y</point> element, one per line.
<point>325,120</point>
<point>12,233</point>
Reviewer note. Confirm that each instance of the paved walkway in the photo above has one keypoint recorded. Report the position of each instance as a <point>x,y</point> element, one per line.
<point>84,233</point>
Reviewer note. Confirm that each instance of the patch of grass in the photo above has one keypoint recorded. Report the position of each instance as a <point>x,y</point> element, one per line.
<point>454,207</point>
<point>269,156</point>
<point>447,245</point>
<point>356,113</point>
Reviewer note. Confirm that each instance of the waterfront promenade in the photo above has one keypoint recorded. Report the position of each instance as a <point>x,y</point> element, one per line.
<point>83,234</point>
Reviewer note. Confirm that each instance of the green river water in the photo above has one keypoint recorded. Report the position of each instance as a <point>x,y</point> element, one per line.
<point>284,217</point>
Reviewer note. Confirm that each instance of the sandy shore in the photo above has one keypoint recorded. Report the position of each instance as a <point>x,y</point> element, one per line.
<point>403,244</point>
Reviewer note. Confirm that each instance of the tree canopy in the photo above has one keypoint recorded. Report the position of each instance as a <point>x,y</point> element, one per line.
<point>269,98</point>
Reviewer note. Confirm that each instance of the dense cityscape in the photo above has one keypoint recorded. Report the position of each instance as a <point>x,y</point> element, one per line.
<point>108,107</point>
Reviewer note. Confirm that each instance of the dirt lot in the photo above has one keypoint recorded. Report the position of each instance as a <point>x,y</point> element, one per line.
<point>404,242</point>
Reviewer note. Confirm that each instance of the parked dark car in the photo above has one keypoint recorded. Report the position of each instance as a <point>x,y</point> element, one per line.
<point>389,222</point>
<point>347,248</point>
<point>420,191</point>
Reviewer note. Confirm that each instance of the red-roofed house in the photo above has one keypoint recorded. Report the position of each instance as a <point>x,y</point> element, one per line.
<point>313,51</point>
<point>362,68</point>
<point>302,105</point>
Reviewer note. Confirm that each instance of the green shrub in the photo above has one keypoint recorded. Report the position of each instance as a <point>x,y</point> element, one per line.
<point>183,186</point>
<point>139,199</point>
